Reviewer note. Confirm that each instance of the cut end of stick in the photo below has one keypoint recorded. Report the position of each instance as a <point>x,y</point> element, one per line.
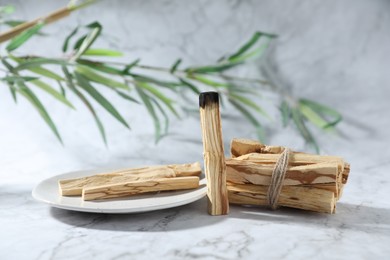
<point>208,98</point>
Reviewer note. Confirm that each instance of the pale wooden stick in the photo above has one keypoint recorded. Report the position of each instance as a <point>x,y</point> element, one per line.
<point>306,198</point>
<point>240,147</point>
<point>242,172</point>
<point>213,152</point>
<point>298,159</point>
<point>137,187</point>
<point>73,187</point>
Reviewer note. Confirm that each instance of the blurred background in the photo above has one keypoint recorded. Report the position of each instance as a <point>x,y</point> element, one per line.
<point>334,52</point>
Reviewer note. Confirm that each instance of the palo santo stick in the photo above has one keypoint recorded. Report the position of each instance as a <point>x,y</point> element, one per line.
<point>137,187</point>
<point>306,198</point>
<point>213,153</point>
<point>73,187</point>
<point>240,147</point>
<point>242,172</point>
<point>297,159</point>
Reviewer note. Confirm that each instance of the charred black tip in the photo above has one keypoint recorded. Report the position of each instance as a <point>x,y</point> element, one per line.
<point>206,98</point>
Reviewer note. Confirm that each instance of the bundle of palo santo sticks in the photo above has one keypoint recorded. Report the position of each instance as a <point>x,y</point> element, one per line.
<point>128,182</point>
<point>312,182</point>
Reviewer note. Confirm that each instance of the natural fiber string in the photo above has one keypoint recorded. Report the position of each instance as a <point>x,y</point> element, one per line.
<point>277,179</point>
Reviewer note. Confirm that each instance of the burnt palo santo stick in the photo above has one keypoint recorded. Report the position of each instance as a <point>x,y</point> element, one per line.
<point>213,153</point>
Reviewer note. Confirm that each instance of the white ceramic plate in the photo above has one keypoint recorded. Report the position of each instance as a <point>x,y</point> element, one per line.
<point>47,191</point>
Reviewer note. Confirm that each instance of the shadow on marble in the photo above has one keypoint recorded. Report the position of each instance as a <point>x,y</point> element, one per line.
<point>359,218</point>
<point>185,217</point>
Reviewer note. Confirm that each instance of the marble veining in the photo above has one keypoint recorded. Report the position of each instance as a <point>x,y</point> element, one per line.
<point>332,51</point>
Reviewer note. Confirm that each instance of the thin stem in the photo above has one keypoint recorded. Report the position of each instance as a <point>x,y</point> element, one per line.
<point>73,6</point>
<point>49,18</point>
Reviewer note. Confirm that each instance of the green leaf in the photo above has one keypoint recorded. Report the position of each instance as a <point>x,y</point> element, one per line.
<point>255,53</point>
<point>89,40</point>
<point>190,86</point>
<point>63,92</point>
<point>13,91</point>
<point>323,110</point>
<point>16,78</point>
<point>158,95</point>
<point>103,52</point>
<point>312,116</point>
<point>7,65</point>
<point>101,67</point>
<point>128,67</point>
<point>33,63</point>
<point>13,23</point>
<point>95,77</point>
<point>299,122</point>
<point>80,41</point>
<point>20,39</point>
<point>69,82</point>
<point>166,118</point>
<point>39,70</point>
<point>175,66</point>
<point>8,9</point>
<point>208,81</point>
<point>57,95</point>
<point>84,83</point>
<point>125,96</point>
<point>212,68</point>
<point>234,88</point>
<point>248,45</point>
<point>46,73</point>
<point>251,119</point>
<point>146,79</point>
<point>286,112</point>
<point>149,106</point>
<point>67,39</point>
<point>30,96</point>
<point>246,101</point>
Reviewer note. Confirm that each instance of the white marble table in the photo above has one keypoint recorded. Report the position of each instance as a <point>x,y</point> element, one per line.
<point>336,50</point>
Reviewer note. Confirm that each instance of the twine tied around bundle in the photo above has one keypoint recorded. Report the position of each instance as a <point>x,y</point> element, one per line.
<point>277,178</point>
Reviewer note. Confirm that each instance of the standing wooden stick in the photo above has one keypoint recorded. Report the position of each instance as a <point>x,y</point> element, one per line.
<point>213,153</point>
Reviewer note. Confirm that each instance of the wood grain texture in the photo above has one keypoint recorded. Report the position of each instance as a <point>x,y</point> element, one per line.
<point>74,187</point>
<point>125,189</point>
<point>213,153</point>
<point>260,174</point>
<point>240,147</point>
<point>306,198</point>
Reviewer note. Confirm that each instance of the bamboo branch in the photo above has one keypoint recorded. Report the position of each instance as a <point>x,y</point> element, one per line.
<point>46,19</point>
